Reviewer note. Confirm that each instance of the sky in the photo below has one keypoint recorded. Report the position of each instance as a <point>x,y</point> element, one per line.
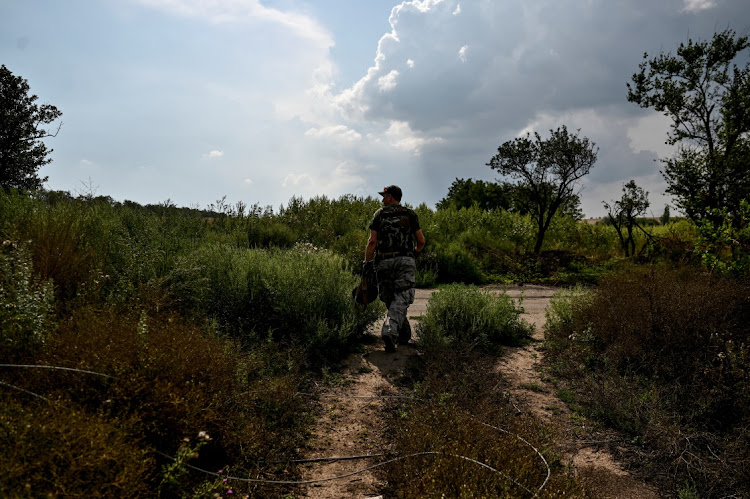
<point>193,101</point>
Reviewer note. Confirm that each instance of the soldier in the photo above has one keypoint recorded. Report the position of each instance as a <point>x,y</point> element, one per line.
<point>395,240</point>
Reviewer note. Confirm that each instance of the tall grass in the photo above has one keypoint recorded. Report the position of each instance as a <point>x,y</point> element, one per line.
<point>300,297</point>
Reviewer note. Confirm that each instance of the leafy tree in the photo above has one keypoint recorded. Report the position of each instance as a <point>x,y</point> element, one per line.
<point>665,216</point>
<point>547,171</point>
<point>707,96</point>
<point>22,151</point>
<point>623,214</point>
<point>486,195</point>
<point>498,196</point>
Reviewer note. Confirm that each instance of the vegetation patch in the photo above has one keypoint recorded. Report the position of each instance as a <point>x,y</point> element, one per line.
<point>662,355</point>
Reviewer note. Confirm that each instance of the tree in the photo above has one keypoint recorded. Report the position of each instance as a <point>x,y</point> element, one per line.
<point>487,195</point>
<point>22,121</point>
<point>547,171</point>
<point>707,96</point>
<point>623,214</point>
<point>665,216</point>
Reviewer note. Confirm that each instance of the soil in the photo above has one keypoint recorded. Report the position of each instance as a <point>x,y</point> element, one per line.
<point>350,425</point>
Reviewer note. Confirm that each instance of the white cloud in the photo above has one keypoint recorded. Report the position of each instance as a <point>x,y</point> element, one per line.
<point>248,180</point>
<point>388,82</point>
<point>410,63</point>
<point>215,154</point>
<point>296,180</point>
<point>458,10</point>
<point>400,135</point>
<point>227,11</point>
<point>697,5</point>
<point>462,53</point>
<point>341,132</point>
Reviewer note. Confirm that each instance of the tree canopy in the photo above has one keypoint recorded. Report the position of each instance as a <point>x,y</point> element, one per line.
<point>705,90</point>
<point>22,121</point>
<point>547,170</point>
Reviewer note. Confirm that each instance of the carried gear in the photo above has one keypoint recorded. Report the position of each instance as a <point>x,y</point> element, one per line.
<point>366,291</point>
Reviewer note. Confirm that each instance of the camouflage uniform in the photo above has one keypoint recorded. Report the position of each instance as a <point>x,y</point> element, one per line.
<point>396,226</point>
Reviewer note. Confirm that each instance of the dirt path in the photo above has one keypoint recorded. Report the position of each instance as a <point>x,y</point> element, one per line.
<point>350,425</point>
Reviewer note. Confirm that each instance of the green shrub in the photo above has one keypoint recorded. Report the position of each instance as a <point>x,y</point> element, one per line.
<point>456,264</point>
<point>26,303</point>
<point>466,317</point>
<point>298,297</point>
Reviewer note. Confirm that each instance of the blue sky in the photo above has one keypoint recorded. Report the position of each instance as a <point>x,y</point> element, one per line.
<point>259,101</point>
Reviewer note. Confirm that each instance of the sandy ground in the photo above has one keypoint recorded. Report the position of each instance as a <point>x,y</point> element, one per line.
<point>350,425</point>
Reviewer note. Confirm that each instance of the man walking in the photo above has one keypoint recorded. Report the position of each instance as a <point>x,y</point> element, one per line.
<point>395,240</point>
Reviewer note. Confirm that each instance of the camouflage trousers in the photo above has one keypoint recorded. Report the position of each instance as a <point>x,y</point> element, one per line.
<point>396,281</point>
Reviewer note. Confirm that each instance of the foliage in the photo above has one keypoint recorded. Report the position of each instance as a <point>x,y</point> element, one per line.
<point>725,250</point>
<point>705,93</point>
<point>623,214</point>
<point>300,297</point>
<point>26,303</point>
<point>465,317</point>
<point>169,380</point>
<point>486,195</point>
<point>22,151</point>
<point>547,171</point>
<point>662,355</point>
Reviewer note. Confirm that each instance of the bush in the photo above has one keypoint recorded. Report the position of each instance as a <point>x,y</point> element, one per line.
<point>26,304</point>
<point>168,382</point>
<point>467,317</point>
<point>298,297</point>
<point>662,354</point>
<point>50,450</point>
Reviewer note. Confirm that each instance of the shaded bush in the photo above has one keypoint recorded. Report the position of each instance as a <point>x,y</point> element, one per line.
<point>48,450</point>
<point>168,382</point>
<point>300,297</point>
<point>663,355</point>
<point>466,317</point>
<point>26,304</point>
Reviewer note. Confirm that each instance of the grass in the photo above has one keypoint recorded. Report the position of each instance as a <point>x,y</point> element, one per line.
<point>460,418</point>
<point>466,317</point>
<point>661,354</point>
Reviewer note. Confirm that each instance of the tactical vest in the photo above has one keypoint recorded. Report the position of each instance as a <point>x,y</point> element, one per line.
<point>396,233</point>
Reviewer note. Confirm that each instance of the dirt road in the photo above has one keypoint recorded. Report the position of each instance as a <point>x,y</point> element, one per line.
<point>350,425</point>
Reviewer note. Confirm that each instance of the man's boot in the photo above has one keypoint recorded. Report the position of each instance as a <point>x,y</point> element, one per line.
<point>404,333</point>
<point>390,346</point>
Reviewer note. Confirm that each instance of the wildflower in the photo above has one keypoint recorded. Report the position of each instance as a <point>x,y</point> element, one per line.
<point>204,436</point>
<point>230,491</point>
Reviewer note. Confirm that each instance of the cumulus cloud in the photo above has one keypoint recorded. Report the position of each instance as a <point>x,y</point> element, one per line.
<point>215,154</point>
<point>500,69</point>
<point>388,82</point>
<point>340,132</point>
<point>296,180</point>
